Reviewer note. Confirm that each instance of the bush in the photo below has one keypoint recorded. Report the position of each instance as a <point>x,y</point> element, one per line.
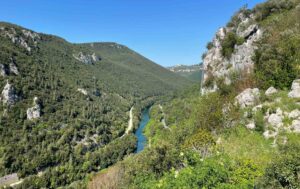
<point>277,65</point>
<point>264,10</point>
<point>229,42</point>
<point>284,171</point>
<point>209,45</point>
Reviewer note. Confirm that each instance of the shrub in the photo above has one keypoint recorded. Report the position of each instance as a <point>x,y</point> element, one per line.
<point>277,65</point>
<point>209,82</point>
<point>229,42</point>
<point>202,142</point>
<point>264,10</point>
<point>284,170</point>
<point>209,45</point>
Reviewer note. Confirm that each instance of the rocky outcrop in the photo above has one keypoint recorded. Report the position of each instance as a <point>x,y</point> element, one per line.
<point>6,70</point>
<point>295,93</point>
<point>270,91</point>
<point>8,95</point>
<point>86,58</point>
<point>13,68</point>
<point>3,70</point>
<point>248,97</point>
<point>82,91</point>
<point>35,111</point>
<point>215,65</point>
<point>26,39</point>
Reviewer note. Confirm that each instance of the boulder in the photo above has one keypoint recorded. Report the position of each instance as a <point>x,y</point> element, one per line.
<point>294,114</point>
<point>270,134</point>
<point>295,92</point>
<point>296,126</point>
<point>275,119</point>
<point>248,97</point>
<point>82,91</point>
<point>270,91</point>
<point>8,95</point>
<point>35,111</point>
<point>251,125</point>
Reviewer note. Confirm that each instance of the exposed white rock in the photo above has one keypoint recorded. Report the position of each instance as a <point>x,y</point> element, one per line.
<point>8,95</point>
<point>35,111</point>
<point>275,120</point>
<point>248,31</point>
<point>6,70</point>
<point>214,64</point>
<point>270,134</point>
<point>270,91</point>
<point>32,35</point>
<point>13,68</point>
<point>251,125</point>
<point>294,114</point>
<point>296,126</point>
<point>3,70</point>
<point>21,40</point>
<point>86,58</point>
<point>248,97</point>
<point>257,108</point>
<point>83,91</point>
<point>295,93</point>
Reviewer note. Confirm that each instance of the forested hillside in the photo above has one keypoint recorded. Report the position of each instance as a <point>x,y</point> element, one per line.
<point>64,107</point>
<point>242,131</point>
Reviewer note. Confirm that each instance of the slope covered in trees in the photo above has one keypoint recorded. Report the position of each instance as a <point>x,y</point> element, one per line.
<point>217,140</point>
<point>64,106</point>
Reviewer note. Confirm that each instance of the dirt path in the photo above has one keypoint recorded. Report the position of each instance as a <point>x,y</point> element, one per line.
<point>163,121</point>
<point>130,122</point>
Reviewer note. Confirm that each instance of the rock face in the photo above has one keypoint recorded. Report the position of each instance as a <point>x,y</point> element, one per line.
<point>8,95</point>
<point>215,65</point>
<point>3,70</point>
<point>13,68</point>
<point>27,39</point>
<point>35,111</point>
<point>86,58</point>
<point>6,70</point>
<point>248,97</point>
<point>270,91</point>
<point>295,93</point>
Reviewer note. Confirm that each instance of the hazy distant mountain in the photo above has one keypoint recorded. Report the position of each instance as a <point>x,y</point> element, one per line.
<point>191,72</point>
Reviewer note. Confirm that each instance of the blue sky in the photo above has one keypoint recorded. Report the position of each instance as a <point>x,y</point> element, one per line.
<point>168,32</point>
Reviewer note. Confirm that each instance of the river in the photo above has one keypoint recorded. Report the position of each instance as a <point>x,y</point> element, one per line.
<point>139,132</point>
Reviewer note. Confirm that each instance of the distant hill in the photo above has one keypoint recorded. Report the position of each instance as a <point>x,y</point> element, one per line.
<point>61,103</point>
<point>191,72</point>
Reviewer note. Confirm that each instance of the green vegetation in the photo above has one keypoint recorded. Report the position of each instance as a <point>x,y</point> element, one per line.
<point>277,59</point>
<point>229,42</point>
<point>77,133</point>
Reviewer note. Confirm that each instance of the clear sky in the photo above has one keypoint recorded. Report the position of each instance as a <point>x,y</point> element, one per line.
<point>168,32</point>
